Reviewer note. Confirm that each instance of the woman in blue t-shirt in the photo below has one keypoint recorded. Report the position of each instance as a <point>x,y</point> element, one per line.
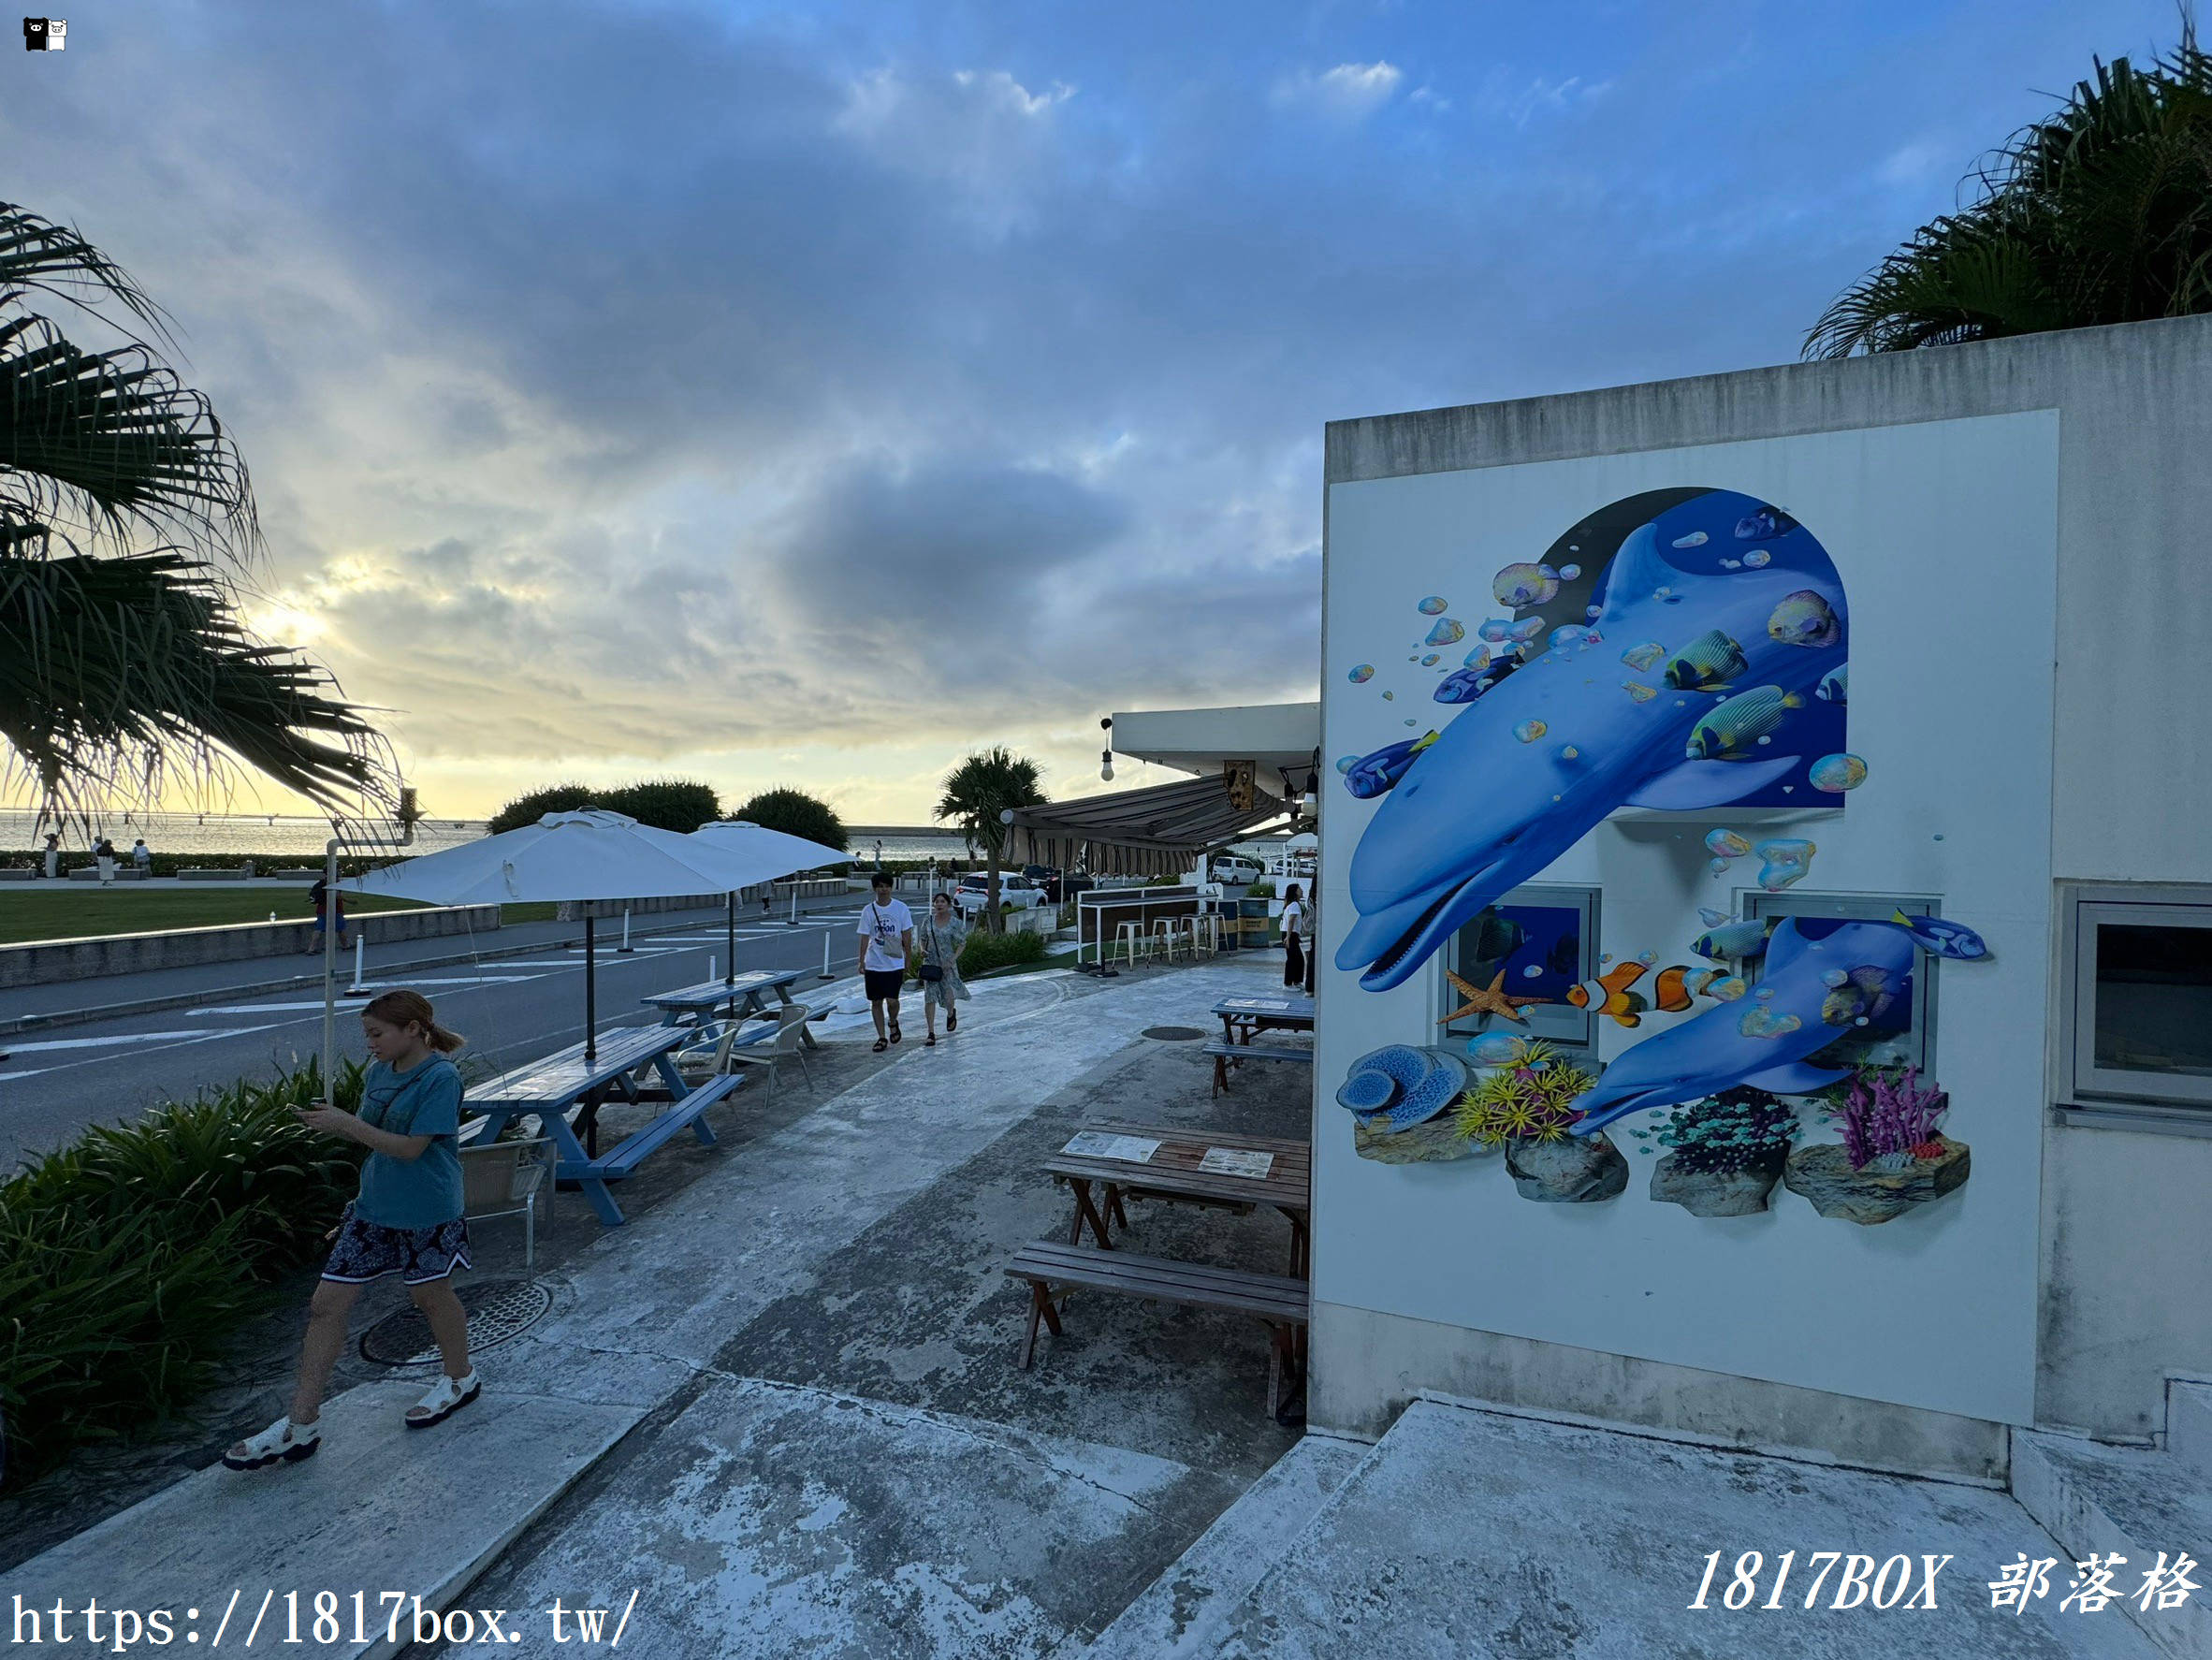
<point>406,1221</point>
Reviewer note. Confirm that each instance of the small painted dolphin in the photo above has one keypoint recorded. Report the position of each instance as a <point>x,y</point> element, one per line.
<point>1723,1047</point>
<point>1481,810</point>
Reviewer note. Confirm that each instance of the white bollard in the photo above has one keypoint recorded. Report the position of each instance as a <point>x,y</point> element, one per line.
<point>794,904</point>
<point>710,965</point>
<point>825,948</point>
<point>623,950</point>
<point>356,989</point>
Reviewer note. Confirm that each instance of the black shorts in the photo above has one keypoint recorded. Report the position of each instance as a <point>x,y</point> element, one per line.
<point>884,984</point>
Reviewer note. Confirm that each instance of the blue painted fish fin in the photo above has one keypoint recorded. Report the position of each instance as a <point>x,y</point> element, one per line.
<point>1696,784</point>
<point>1784,945</point>
<point>1796,1078</point>
<point>1637,568</point>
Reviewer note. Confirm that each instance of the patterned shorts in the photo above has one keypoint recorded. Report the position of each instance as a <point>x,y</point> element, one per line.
<point>420,1255</point>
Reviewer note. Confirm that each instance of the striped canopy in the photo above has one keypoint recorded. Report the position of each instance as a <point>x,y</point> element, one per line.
<point>1140,832</point>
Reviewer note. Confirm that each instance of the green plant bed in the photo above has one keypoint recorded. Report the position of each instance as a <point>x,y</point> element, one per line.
<point>986,952</point>
<point>128,1258</point>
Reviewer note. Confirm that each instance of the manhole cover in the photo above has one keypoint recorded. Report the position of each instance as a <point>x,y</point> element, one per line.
<point>498,1309</point>
<point>1175,1034</point>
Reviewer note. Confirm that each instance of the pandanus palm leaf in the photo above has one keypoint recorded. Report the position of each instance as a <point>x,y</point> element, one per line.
<point>117,660</point>
<point>979,790</point>
<point>2101,212</point>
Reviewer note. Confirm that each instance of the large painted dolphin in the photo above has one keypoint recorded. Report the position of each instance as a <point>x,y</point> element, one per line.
<point>1487,806</point>
<point>1820,977</point>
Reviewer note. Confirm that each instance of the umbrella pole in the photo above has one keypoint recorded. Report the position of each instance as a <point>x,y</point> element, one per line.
<point>731,977</point>
<point>330,970</point>
<point>591,1000</point>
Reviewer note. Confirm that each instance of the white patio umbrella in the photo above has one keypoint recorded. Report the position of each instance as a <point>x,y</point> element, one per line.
<point>592,854</point>
<point>768,854</point>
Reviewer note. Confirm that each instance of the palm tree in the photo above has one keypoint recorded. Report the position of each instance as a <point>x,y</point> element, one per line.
<point>979,790</point>
<point>2099,212</point>
<point>127,522</point>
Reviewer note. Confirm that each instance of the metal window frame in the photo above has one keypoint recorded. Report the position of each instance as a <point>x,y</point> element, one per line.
<point>1759,904</point>
<point>2134,1101</point>
<point>1561,1024</point>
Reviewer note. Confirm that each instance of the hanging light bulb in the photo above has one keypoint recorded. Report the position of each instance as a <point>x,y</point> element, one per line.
<point>1106,766</point>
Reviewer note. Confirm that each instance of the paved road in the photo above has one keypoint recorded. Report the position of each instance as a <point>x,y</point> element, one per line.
<point>511,1009</point>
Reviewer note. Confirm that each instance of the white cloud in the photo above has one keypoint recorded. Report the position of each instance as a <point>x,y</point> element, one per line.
<point>1522,102</point>
<point>979,132</point>
<point>1349,92</point>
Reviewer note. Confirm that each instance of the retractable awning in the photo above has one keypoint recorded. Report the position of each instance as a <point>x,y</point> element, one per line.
<point>1141,832</point>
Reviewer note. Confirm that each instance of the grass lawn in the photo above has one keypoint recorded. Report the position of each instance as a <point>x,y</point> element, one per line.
<point>79,911</point>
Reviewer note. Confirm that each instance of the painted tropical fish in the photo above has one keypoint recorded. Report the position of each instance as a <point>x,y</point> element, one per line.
<point>1725,1046</point>
<point>1804,619</point>
<point>1730,940</point>
<point>1835,686</point>
<point>1477,812</point>
<point>1609,996</point>
<point>1734,727</point>
<point>1708,663</point>
<point>1863,996</point>
<point>1671,992</point>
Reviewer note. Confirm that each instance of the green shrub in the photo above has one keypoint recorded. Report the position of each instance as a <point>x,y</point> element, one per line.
<point>681,805</point>
<point>128,1257</point>
<point>530,808</point>
<point>1262,889</point>
<point>985,951</point>
<point>797,813</point>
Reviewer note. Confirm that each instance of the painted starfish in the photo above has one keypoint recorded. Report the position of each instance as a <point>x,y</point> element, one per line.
<point>1490,1000</point>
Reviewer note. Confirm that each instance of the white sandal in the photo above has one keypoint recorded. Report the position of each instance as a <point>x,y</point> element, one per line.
<point>446,1397</point>
<point>282,1442</point>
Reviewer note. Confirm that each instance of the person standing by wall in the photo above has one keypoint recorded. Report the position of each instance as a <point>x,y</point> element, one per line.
<point>104,851</point>
<point>941,935</point>
<point>407,1220</point>
<point>1293,945</point>
<point>886,934</point>
<point>325,901</point>
<point>142,857</point>
<point>53,855</point>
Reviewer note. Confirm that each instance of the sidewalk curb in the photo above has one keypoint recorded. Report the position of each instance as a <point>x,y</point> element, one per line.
<point>28,1023</point>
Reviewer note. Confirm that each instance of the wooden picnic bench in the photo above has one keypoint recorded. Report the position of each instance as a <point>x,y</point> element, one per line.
<point>1227,1054</point>
<point>744,996</point>
<point>1278,1302</point>
<point>1176,1172</point>
<point>564,1089</point>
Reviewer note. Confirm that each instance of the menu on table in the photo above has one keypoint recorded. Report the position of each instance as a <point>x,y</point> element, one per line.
<point>1129,1149</point>
<point>1237,1162</point>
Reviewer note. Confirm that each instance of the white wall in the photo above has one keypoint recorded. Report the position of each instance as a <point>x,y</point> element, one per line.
<point>1944,535</point>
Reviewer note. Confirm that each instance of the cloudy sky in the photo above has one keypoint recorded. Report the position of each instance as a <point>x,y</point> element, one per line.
<point>809,395</point>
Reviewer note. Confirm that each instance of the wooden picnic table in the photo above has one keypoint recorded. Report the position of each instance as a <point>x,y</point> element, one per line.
<point>1243,1016</point>
<point>746,996</point>
<point>1175,1172</point>
<point>563,1087</point>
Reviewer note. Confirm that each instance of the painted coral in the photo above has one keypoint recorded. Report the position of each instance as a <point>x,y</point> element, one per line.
<point>1888,1119</point>
<point>1529,1098</point>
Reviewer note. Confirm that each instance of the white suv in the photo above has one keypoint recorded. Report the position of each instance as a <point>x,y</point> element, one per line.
<point>974,893</point>
<point>1235,870</point>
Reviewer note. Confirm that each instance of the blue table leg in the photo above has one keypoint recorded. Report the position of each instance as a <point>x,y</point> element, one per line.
<point>665,1063</point>
<point>578,1166</point>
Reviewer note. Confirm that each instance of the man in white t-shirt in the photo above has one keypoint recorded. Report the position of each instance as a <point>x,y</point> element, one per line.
<point>887,935</point>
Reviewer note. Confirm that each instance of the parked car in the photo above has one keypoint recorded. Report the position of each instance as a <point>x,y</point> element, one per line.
<point>1235,869</point>
<point>1056,887</point>
<point>974,892</point>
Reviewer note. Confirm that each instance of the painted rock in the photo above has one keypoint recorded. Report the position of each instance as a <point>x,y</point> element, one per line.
<point>1572,1171</point>
<point>1712,1192</point>
<point>1824,1175</point>
<point>1435,1141</point>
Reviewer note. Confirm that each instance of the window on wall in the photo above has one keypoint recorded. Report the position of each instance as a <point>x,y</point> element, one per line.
<point>1902,1036</point>
<point>1535,943</point>
<point>2140,1027</point>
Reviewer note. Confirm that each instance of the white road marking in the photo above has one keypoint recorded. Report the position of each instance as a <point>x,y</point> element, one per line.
<point>16,1048</point>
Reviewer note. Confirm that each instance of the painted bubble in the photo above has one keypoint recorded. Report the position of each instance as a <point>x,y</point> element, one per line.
<point>1361,672</point>
<point>1449,631</point>
<point>1569,752</point>
<point>1524,585</point>
<point>1430,661</point>
<point>1666,596</point>
<point>1785,862</point>
<point>1389,697</point>
<point>1718,867</point>
<point>1711,918</point>
<point>1694,539</point>
<point>1728,988</point>
<point>1568,573</point>
<point>1528,731</point>
<point>1495,629</point>
<point>1528,628</point>
<point>1725,844</point>
<point>1479,658</point>
<point>1731,564</point>
<point>1761,1022</point>
<point>1434,607</point>
<point>1764,993</point>
<point>1639,691</point>
<point>1643,657</point>
<point>1411,721</point>
<point>1569,635</point>
<point>1756,558</point>
<point>1346,763</point>
<point>1533,971</point>
<point>1494,1050</point>
<point>1836,773</point>
<point>1594,612</point>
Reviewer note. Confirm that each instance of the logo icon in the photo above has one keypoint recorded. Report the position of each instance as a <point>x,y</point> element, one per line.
<point>45,33</point>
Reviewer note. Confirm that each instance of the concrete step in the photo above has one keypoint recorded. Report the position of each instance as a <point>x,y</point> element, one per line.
<point>2095,1498</point>
<point>1468,1532</point>
<point>1181,1613</point>
<point>2189,1426</point>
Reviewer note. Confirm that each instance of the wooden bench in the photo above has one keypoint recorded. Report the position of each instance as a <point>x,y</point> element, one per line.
<point>1278,1303</point>
<point>1224,1052</point>
<point>626,1157</point>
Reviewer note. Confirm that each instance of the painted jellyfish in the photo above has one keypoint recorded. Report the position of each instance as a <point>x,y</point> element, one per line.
<point>1479,658</point>
<point>1836,773</point>
<point>1496,630</point>
<point>1525,585</point>
<point>1528,628</point>
<point>1762,1023</point>
<point>1568,573</point>
<point>1448,631</point>
<point>1569,635</point>
<point>1728,988</point>
<point>1528,731</point>
<point>1361,672</point>
<point>1641,657</point>
<point>1694,539</point>
<point>1726,844</point>
<point>1435,606</point>
<point>1639,691</point>
<point>1756,558</point>
<point>1429,662</point>
<point>1783,863</point>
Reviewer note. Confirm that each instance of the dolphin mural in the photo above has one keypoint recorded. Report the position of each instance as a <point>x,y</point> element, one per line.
<point>1598,721</point>
<point>1822,974</point>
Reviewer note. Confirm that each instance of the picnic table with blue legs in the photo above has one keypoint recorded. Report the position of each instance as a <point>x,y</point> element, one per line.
<point>745,996</point>
<point>1242,1018</point>
<point>565,1083</point>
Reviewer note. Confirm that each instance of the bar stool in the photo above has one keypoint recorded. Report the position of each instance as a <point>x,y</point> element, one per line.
<point>1128,937</point>
<point>1164,934</point>
<point>1206,933</point>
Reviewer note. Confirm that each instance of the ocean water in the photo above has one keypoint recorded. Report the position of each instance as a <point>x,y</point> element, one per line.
<point>238,834</point>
